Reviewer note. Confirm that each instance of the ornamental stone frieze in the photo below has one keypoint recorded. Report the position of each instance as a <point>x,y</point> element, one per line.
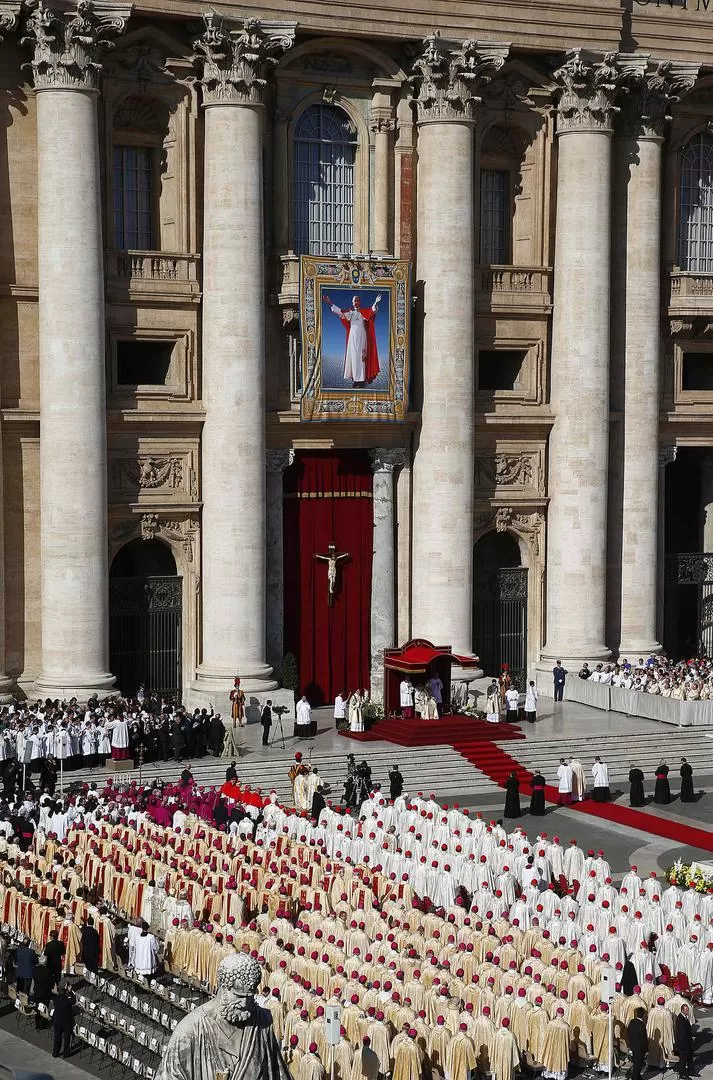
<point>447,76</point>
<point>505,470</point>
<point>234,64</point>
<point>180,532</point>
<point>67,44</point>
<point>9,17</point>
<point>528,527</point>
<point>652,89</point>
<point>589,89</point>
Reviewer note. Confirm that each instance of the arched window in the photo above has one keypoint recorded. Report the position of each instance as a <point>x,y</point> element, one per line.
<point>499,181</point>
<point>325,145</point>
<point>696,222</point>
<point>138,135</point>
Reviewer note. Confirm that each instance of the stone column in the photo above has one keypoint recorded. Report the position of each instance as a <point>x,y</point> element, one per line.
<point>666,456</point>
<point>276,461</point>
<point>382,125</point>
<point>384,464</point>
<point>447,78</point>
<point>73,485</point>
<point>654,87</point>
<point>234,65</point>
<point>578,450</point>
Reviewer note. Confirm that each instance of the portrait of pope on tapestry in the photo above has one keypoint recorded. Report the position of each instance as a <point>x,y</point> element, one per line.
<point>355,339</point>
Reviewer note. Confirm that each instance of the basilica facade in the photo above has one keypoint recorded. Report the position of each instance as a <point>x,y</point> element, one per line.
<point>173,513</point>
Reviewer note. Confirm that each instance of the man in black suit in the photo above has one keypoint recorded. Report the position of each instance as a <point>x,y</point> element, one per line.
<point>89,951</point>
<point>638,1043</point>
<point>63,1021</point>
<point>266,721</point>
<point>42,986</point>
<point>683,1041</point>
<point>231,773</point>
<point>54,951</point>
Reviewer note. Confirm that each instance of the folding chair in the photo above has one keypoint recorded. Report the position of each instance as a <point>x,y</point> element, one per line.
<point>24,1010</point>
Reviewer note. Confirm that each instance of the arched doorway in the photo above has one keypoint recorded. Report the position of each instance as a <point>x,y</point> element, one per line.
<point>500,606</point>
<point>145,619</point>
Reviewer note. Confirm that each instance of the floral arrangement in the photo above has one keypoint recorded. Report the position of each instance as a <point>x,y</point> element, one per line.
<point>372,711</point>
<point>684,876</point>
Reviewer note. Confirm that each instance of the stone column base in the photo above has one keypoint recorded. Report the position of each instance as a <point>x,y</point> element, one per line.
<point>202,694</point>
<point>82,687</point>
<point>628,651</point>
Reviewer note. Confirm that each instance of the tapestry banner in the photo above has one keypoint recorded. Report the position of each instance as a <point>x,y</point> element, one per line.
<point>355,318</point>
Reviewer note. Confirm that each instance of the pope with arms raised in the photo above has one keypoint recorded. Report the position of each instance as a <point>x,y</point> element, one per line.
<point>361,356</point>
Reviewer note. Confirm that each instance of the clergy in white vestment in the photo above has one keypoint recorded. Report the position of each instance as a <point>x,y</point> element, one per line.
<point>145,952</point>
<point>578,782</point>
<point>303,800</point>
<point>492,704</point>
<point>564,783</point>
<point>406,699</point>
<point>356,716</point>
<point>303,719</point>
<point>340,709</point>
<point>600,777</point>
<point>119,734</point>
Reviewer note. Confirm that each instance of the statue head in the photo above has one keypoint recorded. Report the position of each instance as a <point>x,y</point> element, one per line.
<point>238,978</point>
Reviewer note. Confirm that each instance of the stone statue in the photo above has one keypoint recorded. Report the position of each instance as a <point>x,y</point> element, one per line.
<point>228,1035</point>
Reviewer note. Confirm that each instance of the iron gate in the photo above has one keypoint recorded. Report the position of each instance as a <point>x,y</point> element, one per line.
<point>694,571</point>
<point>500,622</point>
<point>145,625</point>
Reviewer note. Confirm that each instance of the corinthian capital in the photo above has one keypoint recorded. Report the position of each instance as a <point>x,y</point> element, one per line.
<point>589,90</point>
<point>448,75</point>
<point>234,64</point>
<point>67,43</point>
<point>9,12</point>
<point>653,86</point>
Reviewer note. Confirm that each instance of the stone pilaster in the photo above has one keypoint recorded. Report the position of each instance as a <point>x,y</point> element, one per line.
<point>66,46</point>
<point>276,462</point>
<point>384,465</point>
<point>578,450</point>
<point>234,65</point>
<point>382,125</point>
<point>652,89</point>
<point>447,77</point>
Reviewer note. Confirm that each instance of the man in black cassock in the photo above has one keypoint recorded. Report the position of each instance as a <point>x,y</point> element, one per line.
<point>688,793</point>
<point>537,799</point>
<point>662,791</point>
<point>512,796</point>
<point>396,782</point>
<point>637,796</point>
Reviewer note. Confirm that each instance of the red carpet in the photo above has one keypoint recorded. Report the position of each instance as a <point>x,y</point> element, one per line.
<point>478,741</point>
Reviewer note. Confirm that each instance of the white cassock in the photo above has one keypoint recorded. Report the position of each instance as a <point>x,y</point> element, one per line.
<point>564,776</point>
<point>512,699</point>
<point>340,707</point>
<point>492,707</point>
<point>406,694</point>
<point>304,713</point>
<point>579,782</point>
<point>531,696</point>
<point>355,355</point>
<point>302,802</point>
<point>145,954</point>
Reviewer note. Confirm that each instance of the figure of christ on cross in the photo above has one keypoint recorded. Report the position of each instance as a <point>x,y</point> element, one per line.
<point>332,558</point>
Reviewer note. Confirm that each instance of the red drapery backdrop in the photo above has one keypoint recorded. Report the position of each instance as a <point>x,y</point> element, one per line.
<point>328,500</point>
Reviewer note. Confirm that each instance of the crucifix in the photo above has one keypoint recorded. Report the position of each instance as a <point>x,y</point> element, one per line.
<point>332,558</point>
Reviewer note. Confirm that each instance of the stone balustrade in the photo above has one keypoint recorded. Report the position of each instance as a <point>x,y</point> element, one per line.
<point>154,272</point>
<point>508,288</point>
<point>690,293</point>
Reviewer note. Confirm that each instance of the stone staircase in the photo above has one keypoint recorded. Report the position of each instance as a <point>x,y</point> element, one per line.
<point>438,769</point>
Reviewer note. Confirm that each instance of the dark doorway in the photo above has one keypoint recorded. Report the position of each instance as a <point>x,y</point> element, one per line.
<point>686,570</point>
<point>145,620</point>
<point>500,606</point>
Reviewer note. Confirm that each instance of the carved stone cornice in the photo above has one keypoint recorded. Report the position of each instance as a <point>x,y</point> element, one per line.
<point>589,88</point>
<point>527,526</point>
<point>276,461</point>
<point>653,87</point>
<point>234,64</point>
<point>181,532</point>
<point>448,75</point>
<point>387,460</point>
<point>67,44</point>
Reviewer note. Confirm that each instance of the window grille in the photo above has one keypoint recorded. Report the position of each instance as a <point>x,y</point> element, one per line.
<point>696,222</point>
<point>323,182</point>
